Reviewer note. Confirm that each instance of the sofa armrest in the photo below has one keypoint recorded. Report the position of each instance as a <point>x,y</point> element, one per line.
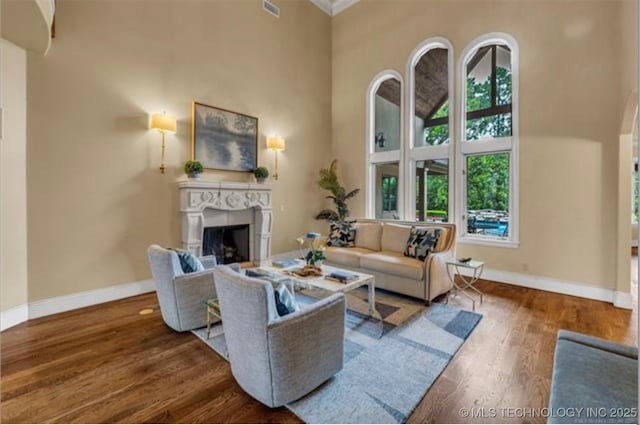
<point>437,280</point>
<point>598,343</point>
<point>306,347</point>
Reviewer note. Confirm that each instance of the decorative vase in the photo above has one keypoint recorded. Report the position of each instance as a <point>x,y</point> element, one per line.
<point>194,176</point>
<point>261,181</point>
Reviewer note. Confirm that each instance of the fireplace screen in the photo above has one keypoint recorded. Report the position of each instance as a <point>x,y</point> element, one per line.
<point>230,244</point>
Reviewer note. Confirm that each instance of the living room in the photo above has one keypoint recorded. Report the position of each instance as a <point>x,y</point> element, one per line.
<point>529,174</point>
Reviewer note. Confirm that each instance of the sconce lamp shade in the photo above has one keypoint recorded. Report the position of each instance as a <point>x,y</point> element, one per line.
<point>275,143</point>
<point>163,122</point>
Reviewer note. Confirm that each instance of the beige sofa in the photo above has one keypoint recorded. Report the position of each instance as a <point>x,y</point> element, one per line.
<point>379,251</point>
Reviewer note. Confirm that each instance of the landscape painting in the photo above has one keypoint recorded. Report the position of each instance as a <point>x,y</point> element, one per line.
<point>224,140</point>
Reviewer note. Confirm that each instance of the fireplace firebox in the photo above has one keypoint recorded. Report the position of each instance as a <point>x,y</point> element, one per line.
<point>230,244</point>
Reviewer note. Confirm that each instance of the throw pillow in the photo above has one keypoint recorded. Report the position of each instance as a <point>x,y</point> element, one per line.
<point>421,242</point>
<point>342,234</point>
<point>285,302</point>
<point>188,262</point>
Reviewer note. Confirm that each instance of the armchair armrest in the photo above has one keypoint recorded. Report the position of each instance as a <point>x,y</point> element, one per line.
<point>306,347</point>
<point>191,290</point>
<point>209,261</point>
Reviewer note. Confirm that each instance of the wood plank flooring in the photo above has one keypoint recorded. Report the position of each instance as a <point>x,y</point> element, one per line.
<point>109,364</point>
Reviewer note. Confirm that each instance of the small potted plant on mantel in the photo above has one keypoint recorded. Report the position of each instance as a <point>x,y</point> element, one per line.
<point>193,169</point>
<point>261,174</point>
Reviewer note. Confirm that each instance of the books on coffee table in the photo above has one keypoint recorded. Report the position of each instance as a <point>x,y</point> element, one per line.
<point>283,264</point>
<point>342,276</point>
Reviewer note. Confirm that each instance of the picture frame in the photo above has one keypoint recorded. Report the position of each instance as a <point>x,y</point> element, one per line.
<point>222,139</point>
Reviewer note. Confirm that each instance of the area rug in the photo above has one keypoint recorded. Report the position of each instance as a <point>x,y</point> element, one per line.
<point>383,380</point>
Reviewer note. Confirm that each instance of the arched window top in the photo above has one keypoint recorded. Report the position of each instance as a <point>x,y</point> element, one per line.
<point>430,71</point>
<point>385,100</point>
<point>489,39</point>
<point>425,46</point>
<point>489,76</point>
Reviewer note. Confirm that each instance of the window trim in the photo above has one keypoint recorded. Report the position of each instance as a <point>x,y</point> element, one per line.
<point>373,157</point>
<point>488,145</point>
<point>414,154</point>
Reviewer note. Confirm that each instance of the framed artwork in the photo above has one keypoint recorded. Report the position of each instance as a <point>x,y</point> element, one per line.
<point>223,139</point>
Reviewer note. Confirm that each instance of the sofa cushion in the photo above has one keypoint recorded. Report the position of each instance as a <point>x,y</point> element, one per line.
<point>342,233</point>
<point>421,242</point>
<point>368,235</point>
<point>349,257</point>
<point>394,237</point>
<point>394,263</point>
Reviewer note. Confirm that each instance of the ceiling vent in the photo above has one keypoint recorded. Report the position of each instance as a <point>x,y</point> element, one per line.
<point>271,8</point>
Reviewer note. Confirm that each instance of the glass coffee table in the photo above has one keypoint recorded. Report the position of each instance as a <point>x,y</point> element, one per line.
<point>322,283</point>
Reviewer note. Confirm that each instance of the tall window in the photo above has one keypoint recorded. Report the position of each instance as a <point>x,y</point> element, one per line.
<point>385,147</point>
<point>634,191</point>
<point>431,119</point>
<point>488,147</point>
<point>389,194</point>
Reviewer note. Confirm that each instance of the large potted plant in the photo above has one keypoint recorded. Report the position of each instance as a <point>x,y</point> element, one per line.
<point>339,195</point>
<point>193,169</point>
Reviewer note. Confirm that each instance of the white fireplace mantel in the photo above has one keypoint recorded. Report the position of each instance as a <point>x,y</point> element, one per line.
<point>198,196</point>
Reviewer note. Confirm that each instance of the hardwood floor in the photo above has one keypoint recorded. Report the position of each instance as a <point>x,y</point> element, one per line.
<point>107,363</point>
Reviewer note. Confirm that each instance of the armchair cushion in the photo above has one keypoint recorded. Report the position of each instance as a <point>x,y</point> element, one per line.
<point>422,240</point>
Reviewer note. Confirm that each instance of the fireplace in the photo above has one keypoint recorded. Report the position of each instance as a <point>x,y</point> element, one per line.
<point>230,244</point>
<point>207,204</point>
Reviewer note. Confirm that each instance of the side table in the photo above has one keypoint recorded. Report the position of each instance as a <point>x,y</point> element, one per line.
<point>467,282</point>
<point>213,311</point>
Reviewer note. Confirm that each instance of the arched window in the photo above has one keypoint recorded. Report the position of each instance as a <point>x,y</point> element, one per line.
<point>385,146</point>
<point>487,152</point>
<point>430,174</point>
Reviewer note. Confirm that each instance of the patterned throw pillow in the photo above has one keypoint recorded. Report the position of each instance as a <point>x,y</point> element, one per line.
<point>421,242</point>
<point>342,234</point>
<point>189,262</point>
<point>285,302</point>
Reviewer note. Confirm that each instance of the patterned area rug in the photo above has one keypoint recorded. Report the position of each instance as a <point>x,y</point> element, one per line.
<point>383,380</point>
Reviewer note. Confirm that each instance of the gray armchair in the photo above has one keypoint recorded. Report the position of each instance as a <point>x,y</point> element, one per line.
<point>181,295</point>
<point>278,359</point>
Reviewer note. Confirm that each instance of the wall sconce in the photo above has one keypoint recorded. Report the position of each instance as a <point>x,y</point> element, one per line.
<point>163,123</point>
<point>276,144</point>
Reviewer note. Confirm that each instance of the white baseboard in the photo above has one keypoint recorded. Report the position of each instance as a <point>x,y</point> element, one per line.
<point>623,300</point>
<point>14,316</point>
<point>565,287</point>
<point>69,302</point>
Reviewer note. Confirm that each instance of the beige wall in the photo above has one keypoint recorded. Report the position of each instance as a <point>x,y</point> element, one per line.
<point>96,197</point>
<point>629,46</point>
<point>570,113</point>
<point>13,181</point>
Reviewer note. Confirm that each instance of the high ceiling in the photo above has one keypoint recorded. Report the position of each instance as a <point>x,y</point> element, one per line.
<point>432,84</point>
